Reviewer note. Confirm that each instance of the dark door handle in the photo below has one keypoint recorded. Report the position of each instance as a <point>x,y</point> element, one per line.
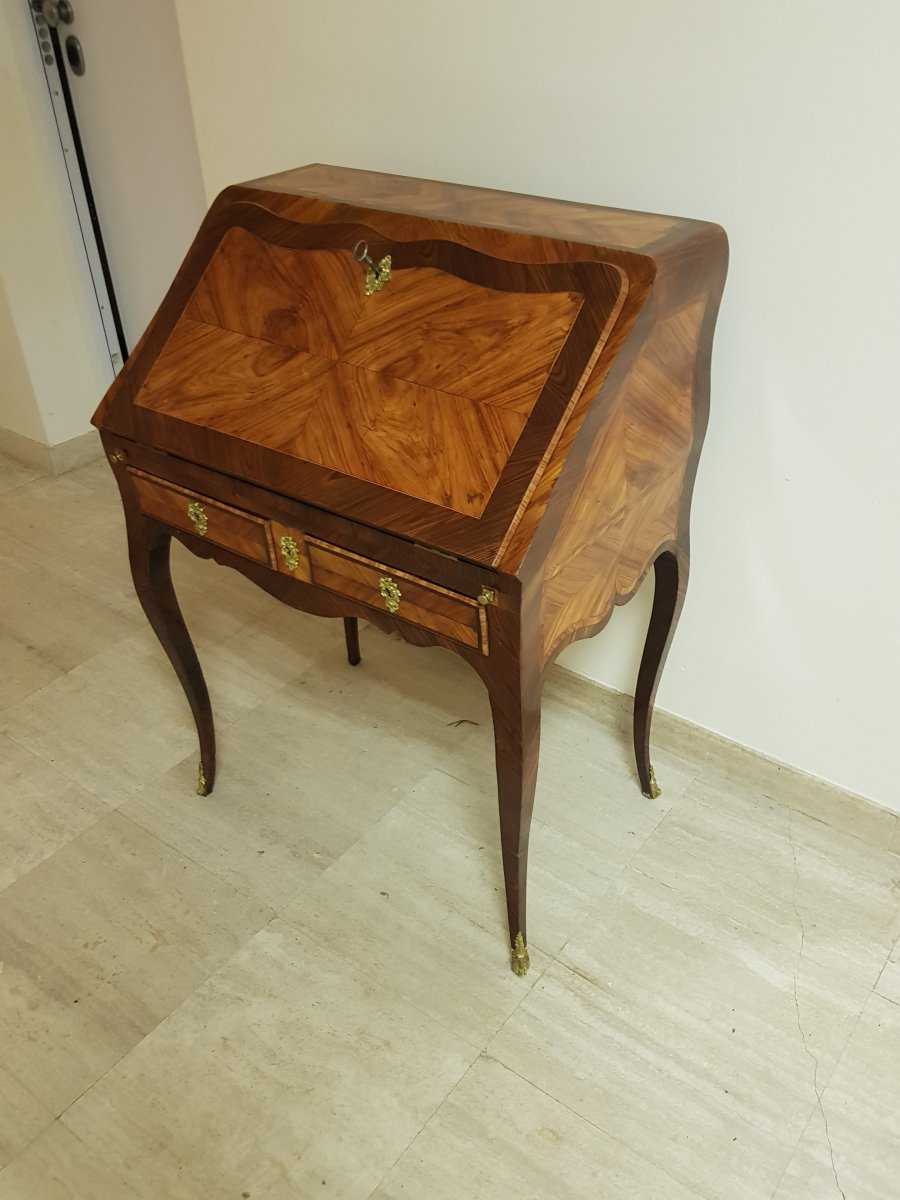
<point>74,55</point>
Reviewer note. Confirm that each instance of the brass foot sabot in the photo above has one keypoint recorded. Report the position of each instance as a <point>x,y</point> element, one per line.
<point>520,959</point>
<point>201,782</point>
<point>653,791</point>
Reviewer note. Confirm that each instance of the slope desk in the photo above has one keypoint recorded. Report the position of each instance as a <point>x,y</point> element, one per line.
<point>469,416</point>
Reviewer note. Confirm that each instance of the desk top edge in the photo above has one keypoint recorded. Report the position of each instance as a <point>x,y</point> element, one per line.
<point>650,234</point>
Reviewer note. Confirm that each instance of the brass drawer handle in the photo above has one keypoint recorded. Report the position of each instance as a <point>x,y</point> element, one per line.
<point>199,518</point>
<point>390,593</point>
<point>290,552</point>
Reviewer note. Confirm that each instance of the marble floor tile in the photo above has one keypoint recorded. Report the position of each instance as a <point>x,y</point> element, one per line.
<point>21,1119</point>
<point>857,1154</point>
<point>121,719</point>
<point>40,810</point>
<point>24,670</point>
<point>727,766</point>
<point>218,602</point>
<point>851,815</point>
<point>111,724</point>
<point>14,474</point>
<point>774,869</point>
<point>495,1135</point>
<point>57,1166</point>
<point>888,984</point>
<point>287,1074</point>
<point>59,519</point>
<point>300,780</point>
<point>587,785</point>
<point>695,1041</point>
<point>699,1020</point>
<point>400,714</point>
<point>417,906</point>
<point>566,878</point>
<point>99,943</point>
<point>55,621</point>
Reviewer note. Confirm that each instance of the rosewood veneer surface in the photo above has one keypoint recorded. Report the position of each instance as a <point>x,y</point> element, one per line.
<point>470,416</point>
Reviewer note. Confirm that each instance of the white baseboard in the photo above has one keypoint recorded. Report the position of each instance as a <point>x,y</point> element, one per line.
<point>52,460</point>
<point>873,822</point>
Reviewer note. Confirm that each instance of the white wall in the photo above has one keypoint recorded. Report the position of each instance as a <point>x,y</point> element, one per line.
<point>53,365</point>
<point>778,120</point>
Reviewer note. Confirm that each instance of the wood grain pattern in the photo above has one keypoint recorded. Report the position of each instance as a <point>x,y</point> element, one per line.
<point>242,532</point>
<point>472,209</point>
<point>430,328</point>
<point>258,440</point>
<point>521,408</point>
<point>258,289</point>
<point>453,615</point>
<point>281,348</point>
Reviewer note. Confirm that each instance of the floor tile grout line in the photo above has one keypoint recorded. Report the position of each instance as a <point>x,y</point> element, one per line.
<point>389,987</point>
<point>594,983</point>
<point>593,1124</point>
<point>238,949</point>
<point>814,1108</point>
<point>64,845</point>
<point>885,965</point>
<point>803,1036</point>
<point>713,776</point>
<point>276,910</point>
<point>60,1115</point>
<point>221,726</point>
<point>426,1123</point>
<point>200,866</point>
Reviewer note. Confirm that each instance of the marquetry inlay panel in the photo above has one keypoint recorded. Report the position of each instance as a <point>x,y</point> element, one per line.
<point>423,388</point>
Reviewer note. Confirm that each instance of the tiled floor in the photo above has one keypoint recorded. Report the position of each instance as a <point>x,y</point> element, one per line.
<point>299,986</point>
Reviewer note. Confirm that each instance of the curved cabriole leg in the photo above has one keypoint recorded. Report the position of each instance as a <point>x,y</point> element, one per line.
<point>671,572</point>
<point>351,637</point>
<point>516,709</point>
<point>148,549</point>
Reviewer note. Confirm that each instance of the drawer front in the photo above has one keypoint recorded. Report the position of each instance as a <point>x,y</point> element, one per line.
<point>450,614</point>
<point>239,531</point>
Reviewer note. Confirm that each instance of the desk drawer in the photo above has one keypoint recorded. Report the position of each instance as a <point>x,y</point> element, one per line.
<point>451,614</point>
<point>239,531</point>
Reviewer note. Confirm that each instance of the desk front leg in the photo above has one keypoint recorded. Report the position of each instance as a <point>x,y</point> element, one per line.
<point>514,689</point>
<point>149,544</point>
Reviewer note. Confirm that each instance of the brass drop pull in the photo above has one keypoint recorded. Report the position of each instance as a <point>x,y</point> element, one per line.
<point>290,552</point>
<point>198,518</point>
<point>377,274</point>
<point>390,593</point>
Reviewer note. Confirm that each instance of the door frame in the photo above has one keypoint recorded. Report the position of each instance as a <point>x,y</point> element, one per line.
<point>52,59</point>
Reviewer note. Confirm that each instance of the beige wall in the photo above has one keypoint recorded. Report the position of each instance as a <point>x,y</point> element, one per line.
<point>52,357</point>
<point>19,410</point>
<point>778,120</point>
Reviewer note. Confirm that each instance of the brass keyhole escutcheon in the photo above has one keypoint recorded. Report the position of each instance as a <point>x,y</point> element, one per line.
<point>290,552</point>
<point>198,518</point>
<point>377,274</point>
<point>390,593</point>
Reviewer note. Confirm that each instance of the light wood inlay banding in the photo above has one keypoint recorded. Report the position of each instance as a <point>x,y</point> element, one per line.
<point>239,531</point>
<point>433,607</point>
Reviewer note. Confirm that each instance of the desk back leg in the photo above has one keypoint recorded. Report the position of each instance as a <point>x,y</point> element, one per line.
<point>351,637</point>
<point>671,577</point>
<point>148,550</point>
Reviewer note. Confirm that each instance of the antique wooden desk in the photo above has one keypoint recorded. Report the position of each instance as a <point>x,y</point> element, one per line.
<point>469,416</point>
